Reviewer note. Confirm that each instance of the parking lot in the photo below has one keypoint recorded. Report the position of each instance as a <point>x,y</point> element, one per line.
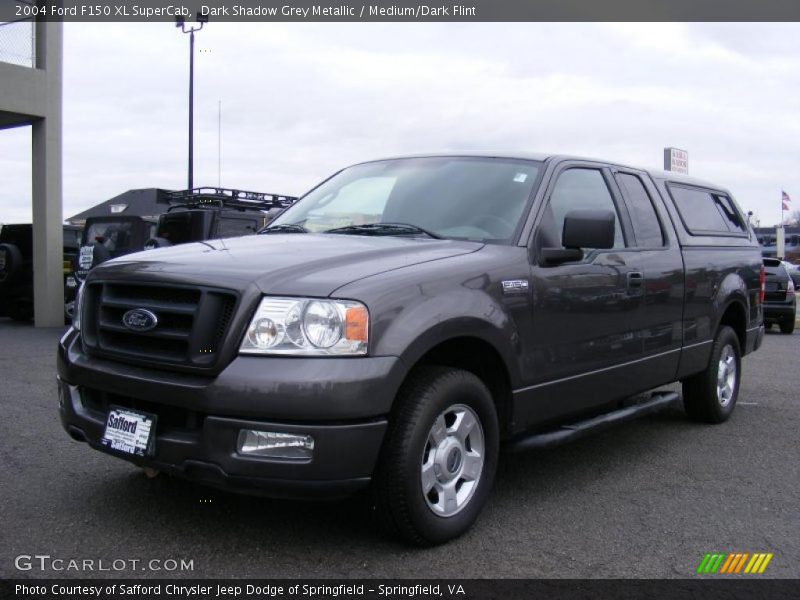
<point>646,499</point>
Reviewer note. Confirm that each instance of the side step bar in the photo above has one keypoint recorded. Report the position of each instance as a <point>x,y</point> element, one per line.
<point>568,433</point>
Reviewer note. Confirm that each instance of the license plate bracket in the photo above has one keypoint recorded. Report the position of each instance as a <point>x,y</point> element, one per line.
<point>130,432</point>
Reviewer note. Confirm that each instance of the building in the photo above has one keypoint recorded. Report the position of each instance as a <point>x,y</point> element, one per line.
<point>767,238</point>
<point>30,95</point>
<point>145,203</point>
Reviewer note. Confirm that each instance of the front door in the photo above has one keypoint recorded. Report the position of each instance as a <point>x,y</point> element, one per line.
<point>582,327</point>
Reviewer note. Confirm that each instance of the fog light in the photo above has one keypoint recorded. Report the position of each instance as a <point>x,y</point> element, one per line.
<point>275,445</point>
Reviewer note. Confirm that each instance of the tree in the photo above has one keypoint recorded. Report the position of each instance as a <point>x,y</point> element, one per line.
<point>794,218</point>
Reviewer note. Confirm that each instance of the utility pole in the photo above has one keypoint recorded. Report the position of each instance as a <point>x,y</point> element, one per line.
<point>181,22</point>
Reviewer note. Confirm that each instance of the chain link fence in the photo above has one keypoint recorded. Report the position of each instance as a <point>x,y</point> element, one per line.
<point>17,43</point>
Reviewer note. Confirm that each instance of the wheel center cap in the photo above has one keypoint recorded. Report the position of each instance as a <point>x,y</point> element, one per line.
<point>454,460</point>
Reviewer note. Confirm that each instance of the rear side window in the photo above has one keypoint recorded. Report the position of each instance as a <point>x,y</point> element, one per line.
<point>646,227</point>
<point>703,211</point>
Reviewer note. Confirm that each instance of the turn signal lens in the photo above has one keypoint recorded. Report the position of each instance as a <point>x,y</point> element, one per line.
<point>356,324</point>
<point>762,282</point>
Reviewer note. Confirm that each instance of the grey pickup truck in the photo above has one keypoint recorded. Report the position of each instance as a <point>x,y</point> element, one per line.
<point>406,320</point>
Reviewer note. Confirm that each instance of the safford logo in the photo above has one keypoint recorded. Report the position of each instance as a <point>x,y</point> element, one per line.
<point>139,319</point>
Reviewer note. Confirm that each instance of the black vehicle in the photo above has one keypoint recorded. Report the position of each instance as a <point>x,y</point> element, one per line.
<point>110,237</point>
<point>401,321</point>
<point>212,213</point>
<point>780,303</point>
<point>16,268</point>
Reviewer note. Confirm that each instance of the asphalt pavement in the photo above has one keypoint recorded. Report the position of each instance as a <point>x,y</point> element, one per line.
<point>645,499</point>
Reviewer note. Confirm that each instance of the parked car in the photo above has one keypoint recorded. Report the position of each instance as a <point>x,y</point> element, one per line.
<point>16,268</point>
<point>400,322</point>
<point>780,303</point>
<point>794,273</point>
<point>213,213</point>
<point>110,237</point>
<point>193,216</point>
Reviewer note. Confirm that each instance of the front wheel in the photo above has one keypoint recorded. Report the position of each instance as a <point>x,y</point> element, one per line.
<point>439,458</point>
<point>710,396</point>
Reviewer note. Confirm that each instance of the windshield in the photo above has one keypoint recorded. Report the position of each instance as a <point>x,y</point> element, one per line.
<point>453,197</point>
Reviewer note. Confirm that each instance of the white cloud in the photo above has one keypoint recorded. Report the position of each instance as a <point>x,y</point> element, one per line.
<point>301,100</point>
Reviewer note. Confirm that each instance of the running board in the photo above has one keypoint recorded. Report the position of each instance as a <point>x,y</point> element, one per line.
<point>568,433</point>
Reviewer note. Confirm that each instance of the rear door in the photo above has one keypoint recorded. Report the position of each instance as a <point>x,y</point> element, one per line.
<point>656,280</point>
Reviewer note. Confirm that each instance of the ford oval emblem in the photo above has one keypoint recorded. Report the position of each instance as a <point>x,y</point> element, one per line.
<point>139,319</point>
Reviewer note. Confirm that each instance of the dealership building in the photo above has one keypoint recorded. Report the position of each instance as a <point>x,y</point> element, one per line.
<point>30,95</point>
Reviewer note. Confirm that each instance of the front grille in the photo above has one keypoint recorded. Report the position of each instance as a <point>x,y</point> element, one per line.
<point>192,323</point>
<point>169,418</point>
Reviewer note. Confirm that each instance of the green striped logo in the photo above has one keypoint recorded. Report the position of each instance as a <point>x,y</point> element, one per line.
<point>734,563</point>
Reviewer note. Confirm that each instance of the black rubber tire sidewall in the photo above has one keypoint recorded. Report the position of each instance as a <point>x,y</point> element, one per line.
<point>428,392</point>
<point>788,326</point>
<point>100,254</point>
<point>700,391</point>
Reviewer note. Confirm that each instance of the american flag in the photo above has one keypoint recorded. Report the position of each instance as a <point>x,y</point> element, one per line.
<point>785,200</point>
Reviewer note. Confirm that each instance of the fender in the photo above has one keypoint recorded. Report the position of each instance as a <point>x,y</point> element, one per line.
<point>732,289</point>
<point>461,313</point>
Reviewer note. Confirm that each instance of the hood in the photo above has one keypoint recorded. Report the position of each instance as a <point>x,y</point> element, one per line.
<point>282,264</point>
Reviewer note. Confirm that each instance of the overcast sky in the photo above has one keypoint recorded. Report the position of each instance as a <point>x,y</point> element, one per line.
<point>300,101</point>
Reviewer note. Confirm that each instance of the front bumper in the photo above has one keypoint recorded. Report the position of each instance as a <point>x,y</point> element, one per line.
<point>342,402</point>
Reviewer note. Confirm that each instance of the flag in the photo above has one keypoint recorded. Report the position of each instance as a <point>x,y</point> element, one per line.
<point>785,200</point>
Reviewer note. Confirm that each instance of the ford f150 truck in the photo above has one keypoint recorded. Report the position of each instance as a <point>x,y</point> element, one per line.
<point>406,319</point>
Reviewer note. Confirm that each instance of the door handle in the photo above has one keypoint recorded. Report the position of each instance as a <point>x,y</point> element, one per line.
<point>635,279</point>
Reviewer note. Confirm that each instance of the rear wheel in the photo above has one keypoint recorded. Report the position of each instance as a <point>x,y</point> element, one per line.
<point>439,457</point>
<point>711,396</point>
<point>787,326</point>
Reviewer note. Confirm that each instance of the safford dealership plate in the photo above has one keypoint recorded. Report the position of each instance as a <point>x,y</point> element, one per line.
<point>130,432</point>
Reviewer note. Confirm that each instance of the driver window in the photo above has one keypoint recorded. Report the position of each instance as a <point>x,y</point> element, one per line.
<point>579,188</point>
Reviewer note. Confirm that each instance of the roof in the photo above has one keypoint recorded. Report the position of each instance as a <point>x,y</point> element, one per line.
<point>147,202</point>
<point>542,156</point>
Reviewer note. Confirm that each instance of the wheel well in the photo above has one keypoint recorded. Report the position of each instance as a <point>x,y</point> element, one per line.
<point>736,318</point>
<point>484,361</point>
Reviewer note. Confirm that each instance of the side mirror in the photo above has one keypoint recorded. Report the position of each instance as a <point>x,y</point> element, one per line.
<point>587,228</point>
<point>583,228</point>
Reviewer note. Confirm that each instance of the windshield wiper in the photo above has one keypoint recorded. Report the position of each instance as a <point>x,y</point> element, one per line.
<point>285,228</point>
<point>384,229</point>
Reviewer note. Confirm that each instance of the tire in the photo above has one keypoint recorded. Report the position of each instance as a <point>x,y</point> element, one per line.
<point>13,264</point>
<point>435,396</point>
<point>787,326</point>
<point>703,399</point>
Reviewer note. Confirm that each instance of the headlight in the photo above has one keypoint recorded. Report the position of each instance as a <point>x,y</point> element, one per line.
<point>76,313</point>
<point>308,327</point>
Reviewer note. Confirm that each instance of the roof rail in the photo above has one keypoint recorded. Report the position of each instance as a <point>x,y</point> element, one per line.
<point>228,198</point>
